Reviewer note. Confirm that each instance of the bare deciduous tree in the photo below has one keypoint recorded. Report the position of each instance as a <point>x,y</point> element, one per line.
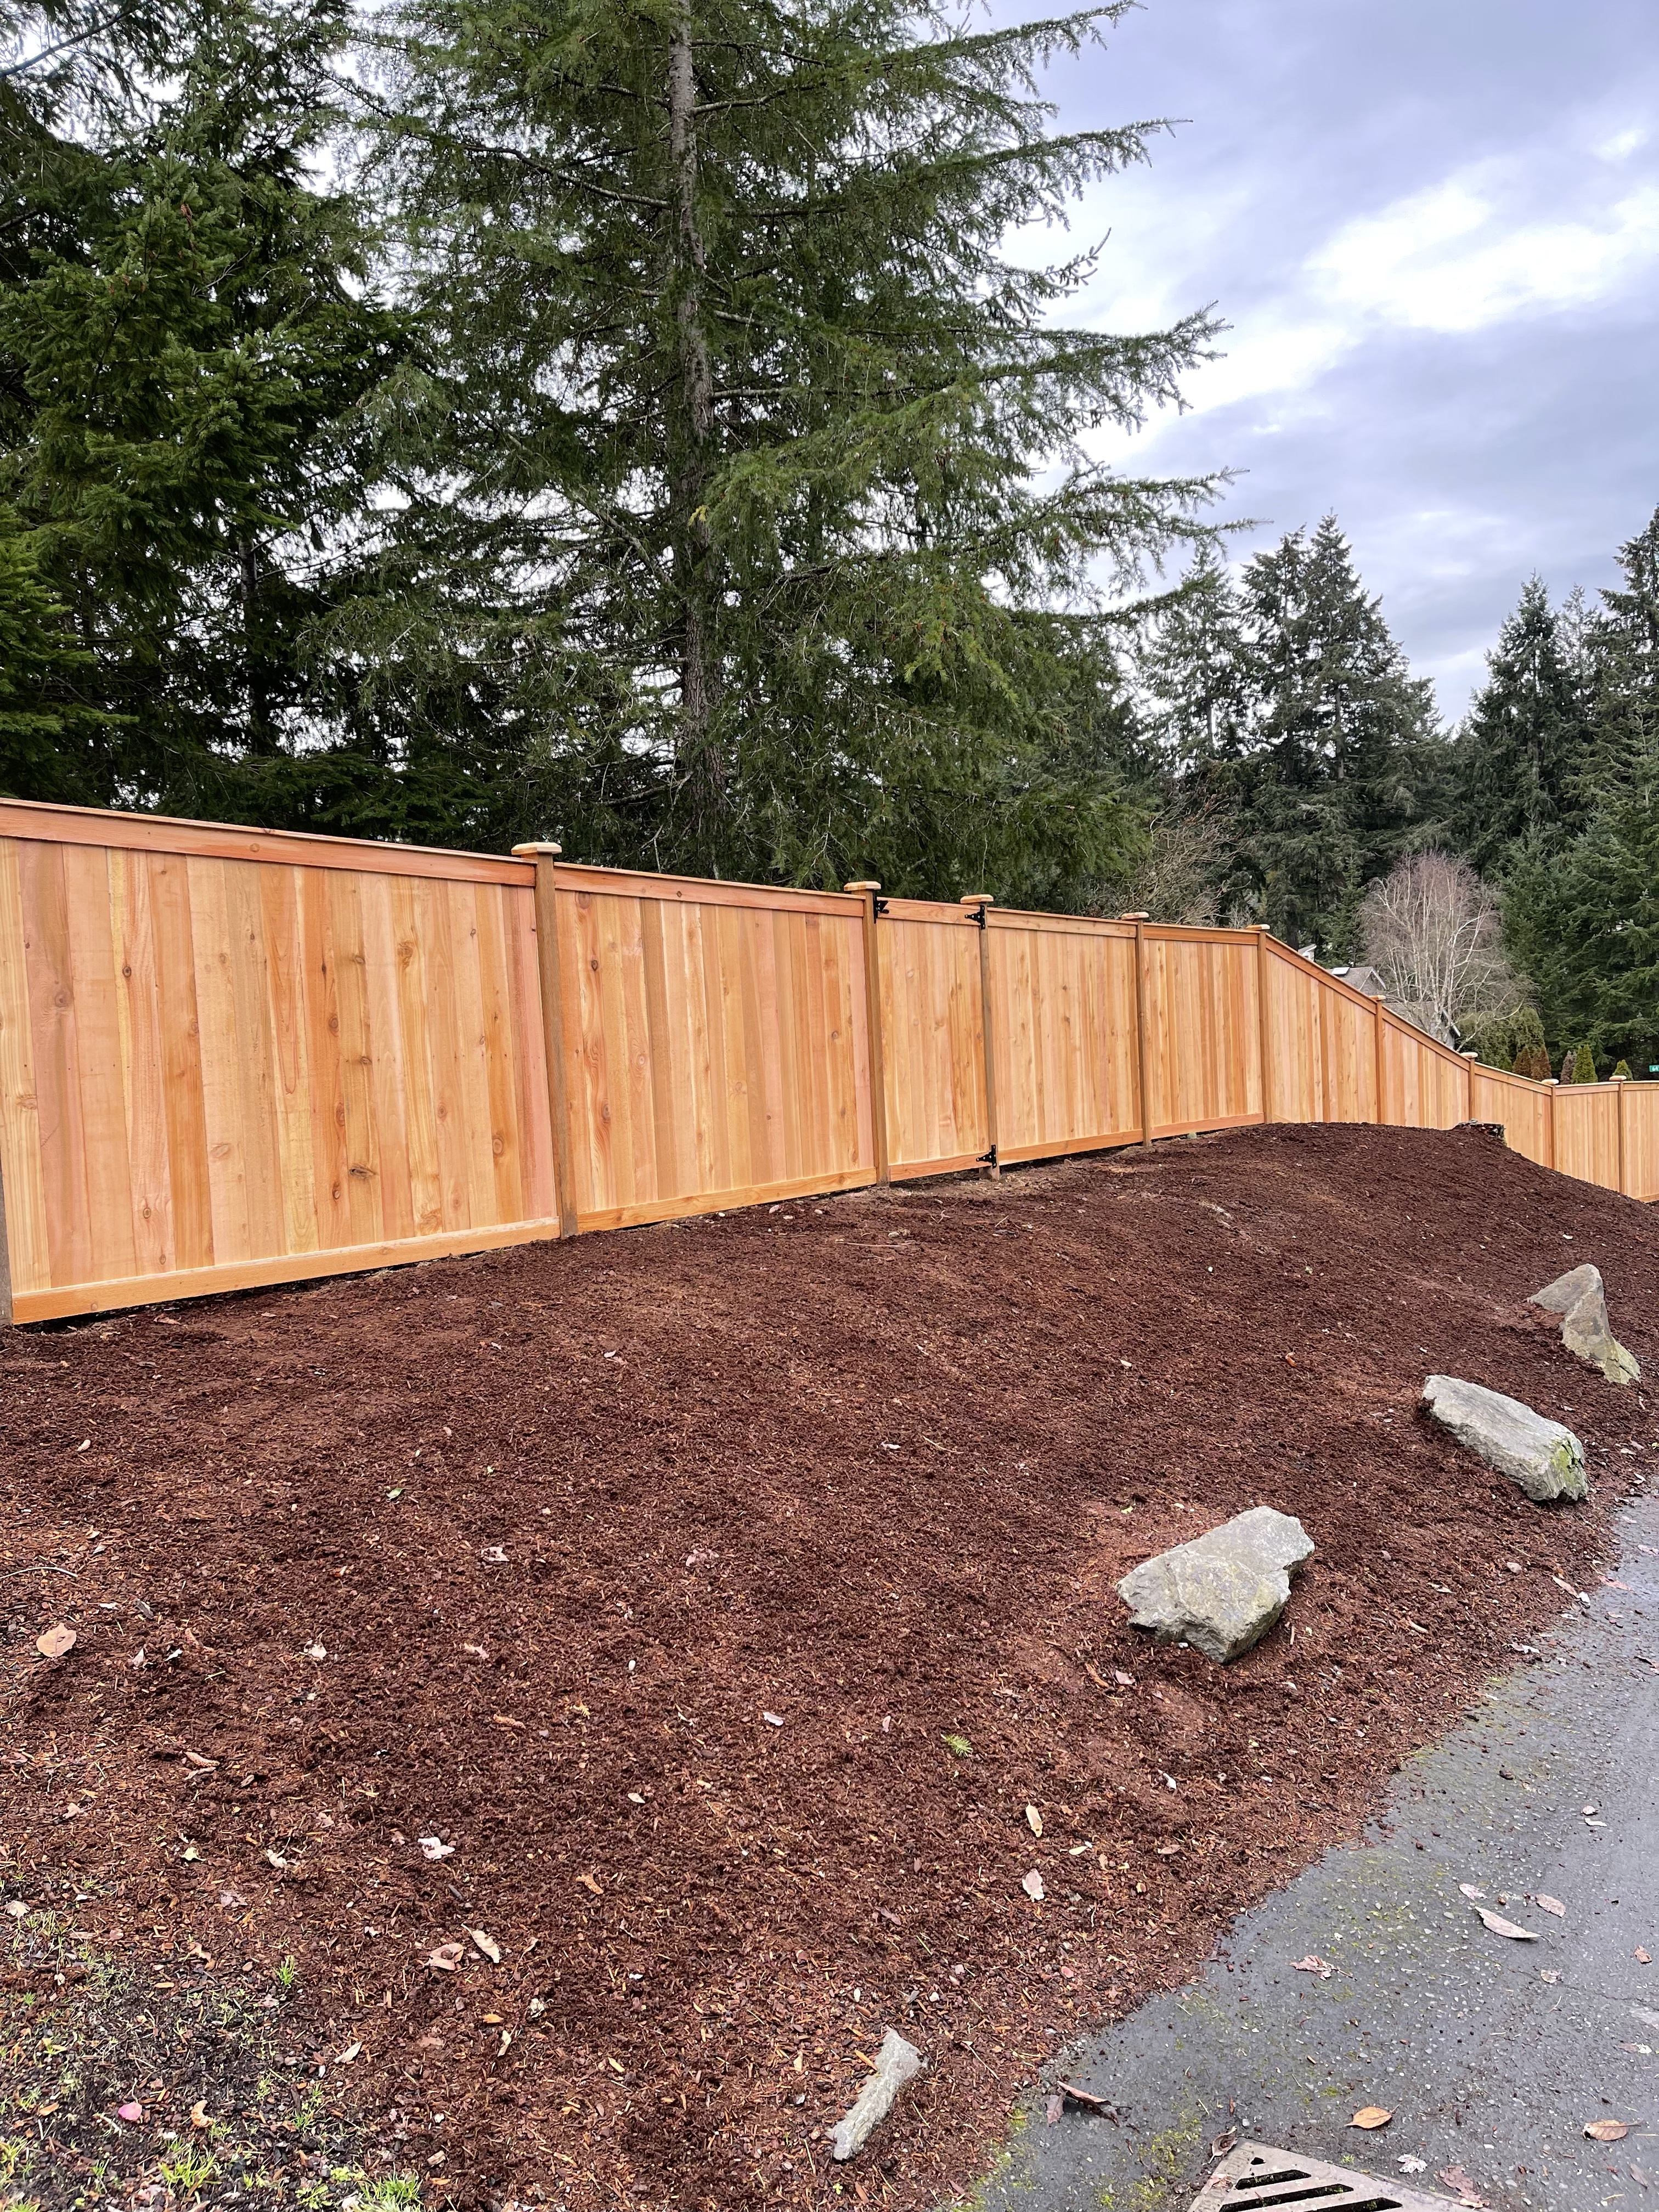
<point>1433,932</point>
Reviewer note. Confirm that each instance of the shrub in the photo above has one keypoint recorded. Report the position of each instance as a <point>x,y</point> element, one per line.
<point>1584,1066</point>
<point>1567,1075</point>
<point>1621,1073</point>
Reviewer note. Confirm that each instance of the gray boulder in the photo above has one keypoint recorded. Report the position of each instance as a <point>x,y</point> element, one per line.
<point>1222,1592</point>
<point>1539,1455</point>
<point>1582,1303</point>
<point>896,2063</point>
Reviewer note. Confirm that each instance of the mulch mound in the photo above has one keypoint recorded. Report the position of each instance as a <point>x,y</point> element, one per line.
<point>732,1599</point>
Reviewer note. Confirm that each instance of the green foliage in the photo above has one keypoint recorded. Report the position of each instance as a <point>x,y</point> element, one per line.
<point>187,350</point>
<point>744,470</point>
<point>1584,1065</point>
<point>48,729</point>
<point>1513,1040</point>
<point>1291,701</point>
<point>1516,761</point>
<point>1621,1073</point>
<point>1583,916</point>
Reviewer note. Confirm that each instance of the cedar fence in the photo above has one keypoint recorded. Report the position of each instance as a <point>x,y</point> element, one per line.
<point>234,1057</point>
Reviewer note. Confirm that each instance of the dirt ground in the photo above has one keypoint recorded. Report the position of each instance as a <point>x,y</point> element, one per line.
<point>722,1601</point>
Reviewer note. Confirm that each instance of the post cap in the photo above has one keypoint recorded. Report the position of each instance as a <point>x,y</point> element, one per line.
<point>865,884</point>
<point>1471,1055</point>
<point>531,852</point>
<point>977,898</point>
<point>1139,913</point>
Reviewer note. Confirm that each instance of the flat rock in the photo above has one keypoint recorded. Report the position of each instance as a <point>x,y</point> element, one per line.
<point>1537,1454</point>
<point>1580,1299</point>
<point>1222,1592</point>
<point>896,2063</point>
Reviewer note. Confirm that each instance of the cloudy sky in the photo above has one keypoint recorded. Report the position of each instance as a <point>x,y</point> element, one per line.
<point>1433,227</point>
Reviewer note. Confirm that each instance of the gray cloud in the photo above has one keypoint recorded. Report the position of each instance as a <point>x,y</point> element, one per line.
<point>1434,230</point>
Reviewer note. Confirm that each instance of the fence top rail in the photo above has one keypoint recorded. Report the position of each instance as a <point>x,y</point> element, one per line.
<point>38,822</point>
<point>699,890</point>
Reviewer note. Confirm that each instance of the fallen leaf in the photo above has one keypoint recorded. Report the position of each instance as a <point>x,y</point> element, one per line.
<point>1499,1926</point>
<point>487,1944</point>
<point>56,1641</point>
<point>1371,2116</point>
<point>232,1899</point>
<point>506,1720</point>
<point>1607,2131</point>
<point>1056,2106</point>
<point>1127,1680</point>
<point>1033,1819</point>
<point>1312,1965</point>
<point>17,1909</point>
<point>1087,2098</point>
<point>1643,1957</point>
<point>1455,2178</point>
<point>1549,1973</point>
<point>1642,2181</point>
<point>201,1762</point>
<point>1551,1904</point>
<point>1469,1889</point>
<point>447,1957</point>
<point>352,2051</point>
<point>313,1651</point>
<point>588,1881</point>
<point>1032,1885</point>
<point>1224,2143</point>
<point>1407,2163</point>
<point>129,2112</point>
<point>198,2116</point>
<point>276,1859</point>
<point>433,1850</point>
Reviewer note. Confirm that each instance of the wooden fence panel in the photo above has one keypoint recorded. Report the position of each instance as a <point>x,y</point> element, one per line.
<point>1322,1044</point>
<point>1063,1034</point>
<point>1204,1030</point>
<point>221,1069</point>
<point>1639,1107</point>
<point>1523,1107</point>
<point>932,1037</point>
<point>1425,1086</point>
<point>1587,1132</point>
<point>716,1041</point>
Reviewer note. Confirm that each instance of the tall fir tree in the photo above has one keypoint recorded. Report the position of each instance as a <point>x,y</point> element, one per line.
<point>1516,760</point>
<point>188,354</point>
<point>744,467</point>
<point>1584,915</point>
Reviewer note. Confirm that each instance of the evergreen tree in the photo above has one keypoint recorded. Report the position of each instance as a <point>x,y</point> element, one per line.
<point>1515,759</point>
<point>46,725</point>
<point>1338,760</point>
<point>186,354</point>
<point>744,473</point>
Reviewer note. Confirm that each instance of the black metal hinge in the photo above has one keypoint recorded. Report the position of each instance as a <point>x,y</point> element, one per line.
<point>878,907</point>
<point>979,916</point>
<point>989,1159</point>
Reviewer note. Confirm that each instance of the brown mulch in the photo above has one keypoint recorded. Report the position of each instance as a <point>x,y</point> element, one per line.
<point>572,1524</point>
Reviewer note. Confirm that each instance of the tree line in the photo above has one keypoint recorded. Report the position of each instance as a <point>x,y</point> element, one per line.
<point>626,421</point>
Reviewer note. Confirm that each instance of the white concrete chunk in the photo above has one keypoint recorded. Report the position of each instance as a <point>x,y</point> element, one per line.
<point>1538,1455</point>
<point>896,2063</point>
<point>1222,1592</point>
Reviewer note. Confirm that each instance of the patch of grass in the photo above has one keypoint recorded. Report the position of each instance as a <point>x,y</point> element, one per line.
<point>85,2031</point>
<point>393,2192</point>
<point>958,1747</point>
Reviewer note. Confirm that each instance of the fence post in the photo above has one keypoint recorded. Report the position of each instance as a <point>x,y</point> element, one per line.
<point>1552,1084</point>
<point>980,900</point>
<point>1380,1031</point>
<point>1264,1019</point>
<point>547,969</point>
<point>1624,1186</point>
<point>5,1259</point>
<point>874,907</point>
<point>1468,1084</point>
<point>1143,1023</point>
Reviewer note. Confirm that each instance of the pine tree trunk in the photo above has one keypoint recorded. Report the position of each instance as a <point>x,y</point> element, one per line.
<point>702,771</point>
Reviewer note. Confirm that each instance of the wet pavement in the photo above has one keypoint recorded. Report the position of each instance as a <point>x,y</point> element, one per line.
<point>1493,2054</point>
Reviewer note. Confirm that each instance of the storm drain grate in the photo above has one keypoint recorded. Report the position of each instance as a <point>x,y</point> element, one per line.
<point>1254,2173</point>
